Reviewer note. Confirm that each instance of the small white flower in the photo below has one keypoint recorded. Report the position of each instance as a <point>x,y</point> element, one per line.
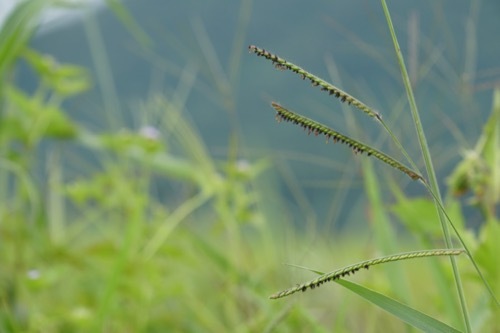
<point>33,274</point>
<point>243,165</point>
<point>150,132</point>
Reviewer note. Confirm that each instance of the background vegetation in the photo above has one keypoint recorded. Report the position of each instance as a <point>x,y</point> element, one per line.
<point>125,220</point>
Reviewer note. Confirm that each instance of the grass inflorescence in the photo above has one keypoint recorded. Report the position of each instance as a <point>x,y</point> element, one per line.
<point>317,128</point>
<point>312,126</point>
<point>283,64</point>
<point>351,269</point>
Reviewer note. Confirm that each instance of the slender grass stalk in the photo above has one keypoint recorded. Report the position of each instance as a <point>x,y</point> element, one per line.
<point>128,21</point>
<point>177,216</point>
<point>55,201</point>
<point>466,248</point>
<point>104,75</point>
<point>27,184</point>
<point>244,17</point>
<point>428,164</point>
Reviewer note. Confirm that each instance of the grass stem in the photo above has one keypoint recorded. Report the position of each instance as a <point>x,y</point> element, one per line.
<point>428,164</point>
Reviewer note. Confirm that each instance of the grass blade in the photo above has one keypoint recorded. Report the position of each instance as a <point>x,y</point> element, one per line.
<point>17,30</point>
<point>407,314</point>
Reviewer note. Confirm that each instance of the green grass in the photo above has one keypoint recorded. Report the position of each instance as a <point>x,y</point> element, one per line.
<point>160,235</point>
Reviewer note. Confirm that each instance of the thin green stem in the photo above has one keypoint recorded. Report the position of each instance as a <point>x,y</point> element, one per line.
<point>428,164</point>
<point>466,248</point>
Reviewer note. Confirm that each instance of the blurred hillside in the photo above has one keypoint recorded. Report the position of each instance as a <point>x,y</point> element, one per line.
<point>448,46</point>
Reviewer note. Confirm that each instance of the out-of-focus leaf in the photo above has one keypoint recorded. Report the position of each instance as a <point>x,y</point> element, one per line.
<point>491,150</point>
<point>34,120</point>
<point>479,171</point>
<point>487,253</point>
<point>65,80</point>
<point>17,30</point>
<point>418,215</point>
<point>124,141</point>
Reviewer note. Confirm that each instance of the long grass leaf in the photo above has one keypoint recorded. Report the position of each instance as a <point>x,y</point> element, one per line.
<point>407,314</point>
<point>17,30</point>
<point>123,14</point>
<point>177,216</point>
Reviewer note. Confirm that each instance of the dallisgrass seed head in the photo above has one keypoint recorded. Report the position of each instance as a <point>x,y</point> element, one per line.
<point>346,271</point>
<point>282,64</point>
<point>312,126</point>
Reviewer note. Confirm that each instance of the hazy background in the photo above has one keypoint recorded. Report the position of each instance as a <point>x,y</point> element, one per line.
<point>451,48</point>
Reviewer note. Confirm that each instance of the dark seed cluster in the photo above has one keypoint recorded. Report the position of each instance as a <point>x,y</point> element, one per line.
<point>314,127</point>
<point>317,130</point>
<point>346,271</point>
<point>282,64</point>
<point>320,281</point>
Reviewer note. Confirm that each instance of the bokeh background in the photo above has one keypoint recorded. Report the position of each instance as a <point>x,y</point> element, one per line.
<point>194,240</point>
<point>448,44</point>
